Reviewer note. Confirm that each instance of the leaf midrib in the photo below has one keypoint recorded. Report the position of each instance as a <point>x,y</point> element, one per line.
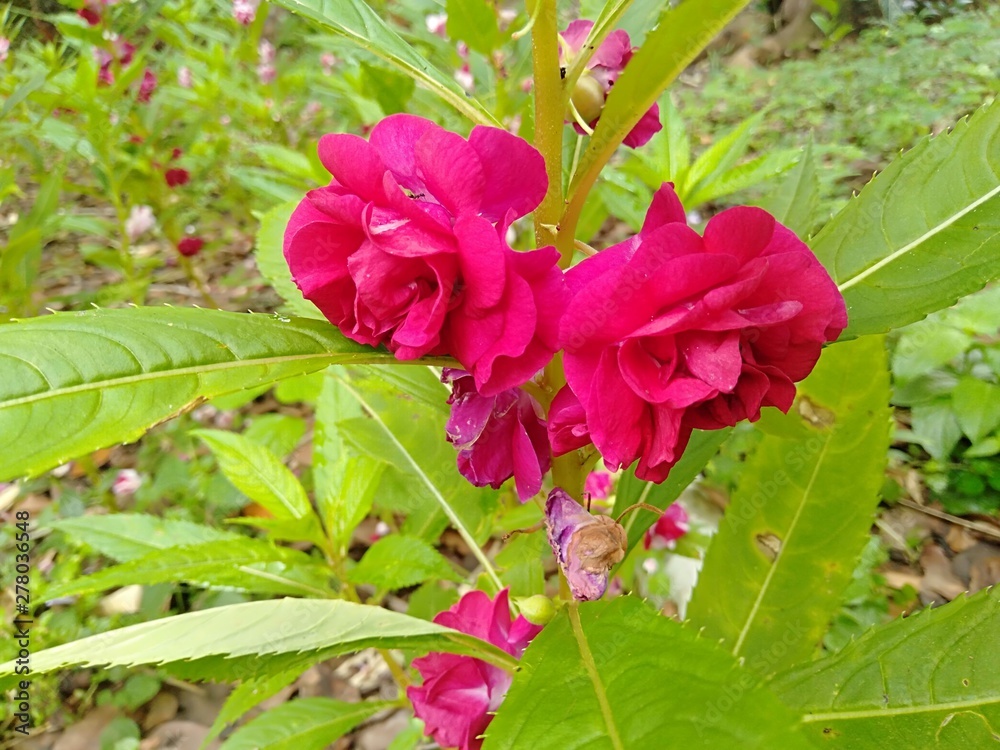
<point>591,666</point>
<point>466,535</point>
<point>758,601</point>
<point>876,713</point>
<point>854,280</point>
<point>180,372</point>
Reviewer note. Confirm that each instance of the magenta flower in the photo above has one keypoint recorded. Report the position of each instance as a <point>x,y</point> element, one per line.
<point>190,246</point>
<point>90,14</point>
<point>669,332</point>
<point>406,248</point>
<point>146,86</point>
<point>176,177</point>
<point>598,485</point>
<point>497,437</point>
<point>603,69</point>
<point>669,527</point>
<point>586,546</point>
<point>460,694</point>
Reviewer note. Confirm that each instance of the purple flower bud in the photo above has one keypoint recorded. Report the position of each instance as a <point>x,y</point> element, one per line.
<point>497,437</point>
<point>586,546</point>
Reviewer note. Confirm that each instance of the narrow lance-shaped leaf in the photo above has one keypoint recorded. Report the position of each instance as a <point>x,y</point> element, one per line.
<point>249,693</point>
<point>931,680</point>
<point>793,201</point>
<point>678,38</point>
<point>241,635</point>
<point>701,448</point>
<point>71,383</point>
<point>257,473</point>
<point>271,263</point>
<point>386,433</point>
<point>398,561</point>
<point>303,724</point>
<point>359,24</point>
<point>775,573</point>
<point>923,233</point>
<point>127,536</point>
<point>345,483</point>
<point>246,564</point>
<point>624,676</point>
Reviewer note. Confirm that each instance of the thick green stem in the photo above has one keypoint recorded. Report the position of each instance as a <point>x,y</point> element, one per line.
<point>548,116</point>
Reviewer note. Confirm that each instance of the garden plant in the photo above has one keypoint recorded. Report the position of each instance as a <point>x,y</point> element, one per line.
<point>486,360</point>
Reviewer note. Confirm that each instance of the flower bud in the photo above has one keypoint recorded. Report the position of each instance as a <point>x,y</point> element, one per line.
<point>588,98</point>
<point>538,609</point>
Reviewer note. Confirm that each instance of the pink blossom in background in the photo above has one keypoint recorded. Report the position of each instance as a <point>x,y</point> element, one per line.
<point>327,60</point>
<point>464,77</point>
<point>669,332</point>
<point>603,69</point>
<point>669,527</point>
<point>405,248</point>
<point>497,437</point>
<point>4,48</point>
<point>245,11</point>
<point>459,694</point>
<point>266,74</point>
<point>176,153</point>
<point>120,52</point>
<point>185,79</point>
<point>176,177</point>
<point>140,220</point>
<point>126,483</point>
<point>437,24</point>
<point>266,52</point>
<point>598,485</point>
<point>586,546</point>
<point>190,246</point>
<point>146,86</point>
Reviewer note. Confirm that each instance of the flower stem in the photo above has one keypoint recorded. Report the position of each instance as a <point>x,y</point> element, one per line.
<point>548,116</point>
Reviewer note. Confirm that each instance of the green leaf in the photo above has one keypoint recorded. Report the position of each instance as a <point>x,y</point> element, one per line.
<point>271,263</point>
<point>278,433</point>
<point>775,573</point>
<point>702,446</point>
<point>345,483</point>
<point>128,536</point>
<point>923,233</point>
<point>936,428</point>
<point>977,407</point>
<point>248,634</point>
<point>718,159</point>
<point>931,680</point>
<point>399,439</point>
<point>247,564</point>
<point>246,695</point>
<point>794,201</point>
<point>623,676</point>
<point>397,561</point>
<point>757,170</point>
<point>71,383</point>
<point>303,724</point>
<point>258,474</point>
<point>678,38</point>
<point>473,22</point>
<point>362,26</point>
